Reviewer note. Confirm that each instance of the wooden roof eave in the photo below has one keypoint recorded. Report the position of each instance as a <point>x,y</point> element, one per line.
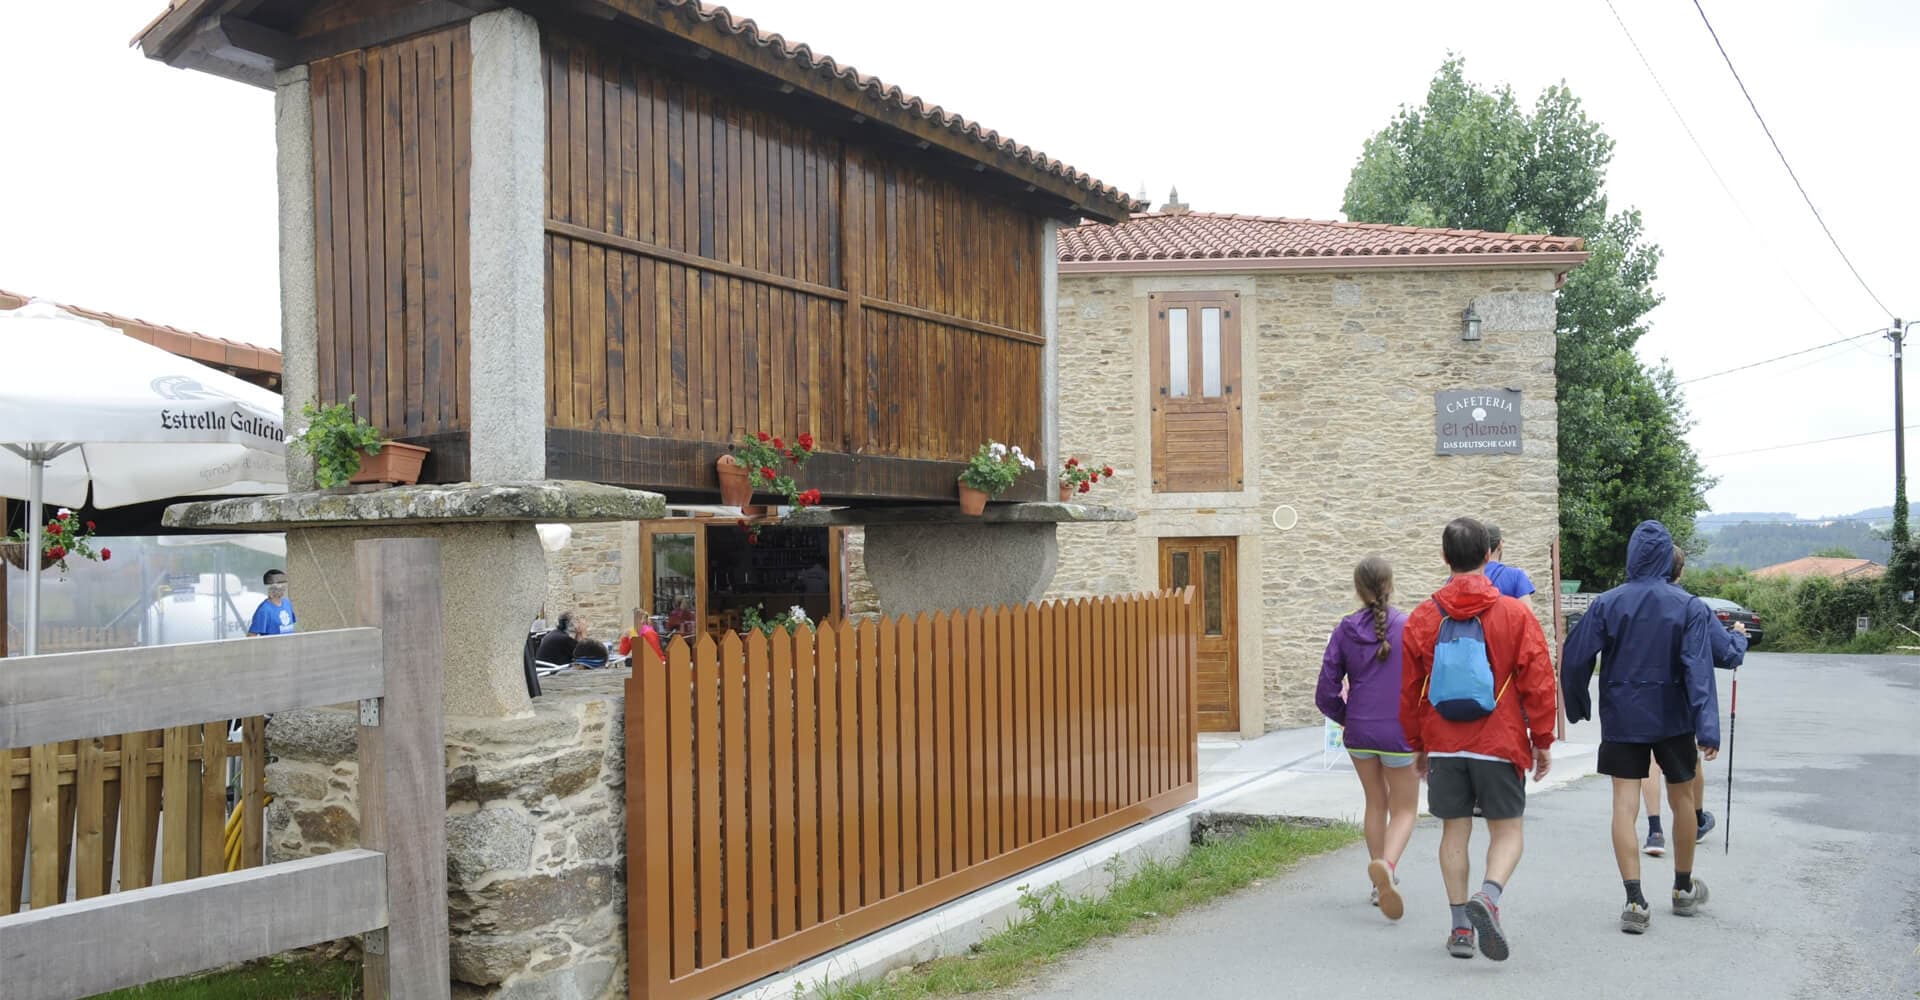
<point>1074,199</point>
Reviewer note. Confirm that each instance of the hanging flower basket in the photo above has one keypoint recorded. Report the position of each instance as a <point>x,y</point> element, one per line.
<point>16,555</point>
<point>64,537</point>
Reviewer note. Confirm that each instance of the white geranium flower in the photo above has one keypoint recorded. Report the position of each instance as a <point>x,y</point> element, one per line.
<point>798,613</point>
<point>996,449</point>
<point>1025,462</point>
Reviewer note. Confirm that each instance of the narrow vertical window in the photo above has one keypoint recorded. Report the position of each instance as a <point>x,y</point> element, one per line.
<point>1177,352</point>
<point>1210,351</point>
<point>1182,570</point>
<point>1211,599</point>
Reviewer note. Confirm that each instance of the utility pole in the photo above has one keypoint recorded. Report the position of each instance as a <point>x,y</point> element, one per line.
<point>1898,336</point>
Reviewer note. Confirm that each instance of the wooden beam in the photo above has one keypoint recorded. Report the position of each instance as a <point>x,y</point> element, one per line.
<point>684,469</point>
<point>64,696</point>
<point>657,252</point>
<point>902,309</point>
<point>402,763</point>
<point>78,949</point>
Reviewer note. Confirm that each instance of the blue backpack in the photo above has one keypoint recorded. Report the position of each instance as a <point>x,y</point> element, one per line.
<point>1460,687</point>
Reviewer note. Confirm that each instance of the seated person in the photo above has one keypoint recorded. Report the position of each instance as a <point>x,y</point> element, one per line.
<point>590,654</point>
<point>680,620</point>
<point>557,647</point>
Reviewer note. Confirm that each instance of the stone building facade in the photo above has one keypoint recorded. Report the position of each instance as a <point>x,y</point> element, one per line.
<point>597,573</point>
<point>1346,333</point>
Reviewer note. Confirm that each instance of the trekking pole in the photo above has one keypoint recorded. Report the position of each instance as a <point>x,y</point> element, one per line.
<point>1733,716</point>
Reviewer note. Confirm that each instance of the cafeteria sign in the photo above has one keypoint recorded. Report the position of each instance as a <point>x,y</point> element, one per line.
<point>1476,421</point>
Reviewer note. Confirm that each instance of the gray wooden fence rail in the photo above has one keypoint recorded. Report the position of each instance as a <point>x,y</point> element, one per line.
<point>392,889</point>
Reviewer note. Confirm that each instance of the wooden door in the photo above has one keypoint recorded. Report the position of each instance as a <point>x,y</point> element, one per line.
<point>673,574</point>
<point>1208,565</point>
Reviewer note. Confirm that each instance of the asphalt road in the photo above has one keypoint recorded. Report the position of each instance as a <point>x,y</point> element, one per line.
<point>1819,897</point>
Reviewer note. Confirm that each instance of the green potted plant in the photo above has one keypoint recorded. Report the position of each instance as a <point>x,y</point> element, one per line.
<point>989,472</point>
<point>341,444</point>
<point>754,464</point>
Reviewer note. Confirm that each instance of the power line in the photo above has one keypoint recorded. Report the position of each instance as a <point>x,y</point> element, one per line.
<point>1783,160</point>
<point>1783,357</point>
<point>1698,147</point>
<point>1803,444</point>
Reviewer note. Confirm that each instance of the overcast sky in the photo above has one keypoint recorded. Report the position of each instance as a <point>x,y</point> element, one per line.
<point>139,189</point>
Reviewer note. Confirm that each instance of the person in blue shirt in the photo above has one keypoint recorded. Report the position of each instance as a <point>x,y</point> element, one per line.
<point>1509,580</point>
<point>275,615</point>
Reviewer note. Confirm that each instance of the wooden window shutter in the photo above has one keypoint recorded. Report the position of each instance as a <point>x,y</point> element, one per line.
<point>1196,391</point>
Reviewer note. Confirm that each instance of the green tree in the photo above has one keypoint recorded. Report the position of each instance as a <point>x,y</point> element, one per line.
<point>1473,158</point>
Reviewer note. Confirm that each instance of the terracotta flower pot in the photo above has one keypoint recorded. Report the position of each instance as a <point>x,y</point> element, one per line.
<point>1066,493</point>
<point>397,463</point>
<point>973,503</point>
<point>735,489</point>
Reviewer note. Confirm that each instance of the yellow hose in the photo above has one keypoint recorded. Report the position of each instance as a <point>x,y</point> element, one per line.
<point>234,848</point>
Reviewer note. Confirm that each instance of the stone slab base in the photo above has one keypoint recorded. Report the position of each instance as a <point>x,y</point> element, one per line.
<point>536,834</point>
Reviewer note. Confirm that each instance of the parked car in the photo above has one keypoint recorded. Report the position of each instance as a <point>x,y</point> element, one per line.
<point>1729,613</point>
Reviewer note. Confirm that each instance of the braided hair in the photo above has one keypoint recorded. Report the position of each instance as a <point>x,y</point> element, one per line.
<point>1373,582</point>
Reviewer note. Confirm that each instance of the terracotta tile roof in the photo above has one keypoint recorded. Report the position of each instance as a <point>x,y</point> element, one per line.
<point>1212,236</point>
<point>1103,198</point>
<point>892,97</point>
<point>1827,566</point>
<point>260,365</point>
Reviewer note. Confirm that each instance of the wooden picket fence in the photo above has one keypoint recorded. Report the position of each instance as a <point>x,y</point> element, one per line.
<point>70,807</point>
<point>392,888</point>
<point>787,795</point>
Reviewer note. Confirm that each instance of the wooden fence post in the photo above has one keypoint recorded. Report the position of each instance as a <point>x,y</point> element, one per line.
<point>403,787</point>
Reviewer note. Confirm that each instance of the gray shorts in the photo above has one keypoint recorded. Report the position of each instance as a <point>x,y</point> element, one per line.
<point>1456,784</point>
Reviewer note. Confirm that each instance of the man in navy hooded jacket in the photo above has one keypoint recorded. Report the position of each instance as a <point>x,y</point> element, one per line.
<point>1658,701</point>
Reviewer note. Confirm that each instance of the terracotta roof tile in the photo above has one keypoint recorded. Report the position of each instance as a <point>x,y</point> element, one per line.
<point>893,97</point>
<point>1212,236</point>
<point>249,360</point>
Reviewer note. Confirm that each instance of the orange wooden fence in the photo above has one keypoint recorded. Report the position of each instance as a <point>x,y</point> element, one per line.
<point>789,795</point>
<point>68,806</point>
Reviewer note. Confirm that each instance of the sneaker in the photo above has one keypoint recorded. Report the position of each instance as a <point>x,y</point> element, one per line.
<point>1460,942</point>
<point>1656,844</point>
<point>1635,918</point>
<point>1706,827</point>
<point>1374,898</point>
<point>1687,904</point>
<point>1385,895</point>
<point>1486,919</point>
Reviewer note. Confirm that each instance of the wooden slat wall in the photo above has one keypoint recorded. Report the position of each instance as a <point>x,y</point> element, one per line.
<point>71,801</point>
<point>717,268</point>
<point>910,762</point>
<point>391,156</point>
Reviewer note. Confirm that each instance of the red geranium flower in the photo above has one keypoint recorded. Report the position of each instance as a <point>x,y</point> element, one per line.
<point>89,525</point>
<point>777,443</point>
<point>789,454</point>
<point>764,436</point>
<point>106,554</point>
<point>1107,472</point>
<point>806,440</point>
<point>767,473</point>
<point>56,553</point>
<point>63,515</point>
<point>753,539</point>
<point>1072,462</point>
<point>810,497</point>
<point>1085,487</point>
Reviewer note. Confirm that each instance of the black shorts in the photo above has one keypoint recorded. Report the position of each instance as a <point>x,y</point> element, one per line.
<point>1678,757</point>
<point>1456,784</point>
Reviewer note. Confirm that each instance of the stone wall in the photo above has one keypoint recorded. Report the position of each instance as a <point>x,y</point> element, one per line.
<point>1340,369</point>
<point>598,573</point>
<point>536,834</point>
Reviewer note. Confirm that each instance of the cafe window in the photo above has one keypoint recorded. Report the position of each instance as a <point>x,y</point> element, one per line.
<point>703,574</point>
<point>1195,339</point>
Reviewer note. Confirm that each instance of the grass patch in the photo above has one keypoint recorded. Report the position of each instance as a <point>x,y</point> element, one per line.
<point>268,979</point>
<point>1056,924</point>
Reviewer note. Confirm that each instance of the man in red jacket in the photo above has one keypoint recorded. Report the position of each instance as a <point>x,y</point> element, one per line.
<point>1481,762</point>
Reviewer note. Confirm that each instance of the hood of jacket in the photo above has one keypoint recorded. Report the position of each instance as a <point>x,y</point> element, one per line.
<point>1467,595</point>
<point>1356,630</point>
<point>1650,552</point>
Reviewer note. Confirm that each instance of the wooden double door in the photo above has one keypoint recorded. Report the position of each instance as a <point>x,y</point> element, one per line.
<point>1208,565</point>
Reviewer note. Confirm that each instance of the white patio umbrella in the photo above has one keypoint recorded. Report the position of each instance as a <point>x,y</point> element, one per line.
<point>84,405</point>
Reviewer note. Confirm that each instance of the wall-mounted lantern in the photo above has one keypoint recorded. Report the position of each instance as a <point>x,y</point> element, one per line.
<point>1470,324</point>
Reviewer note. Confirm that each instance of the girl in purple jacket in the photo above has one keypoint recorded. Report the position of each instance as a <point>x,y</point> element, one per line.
<point>1364,653</point>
